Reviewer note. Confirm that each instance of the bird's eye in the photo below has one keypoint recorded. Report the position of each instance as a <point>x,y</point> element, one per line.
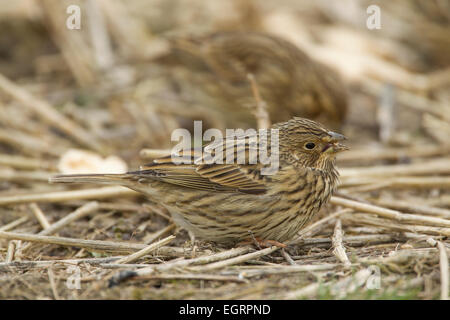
<point>310,145</point>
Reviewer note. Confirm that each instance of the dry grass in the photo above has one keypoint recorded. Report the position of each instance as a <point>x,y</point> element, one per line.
<point>101,89</point>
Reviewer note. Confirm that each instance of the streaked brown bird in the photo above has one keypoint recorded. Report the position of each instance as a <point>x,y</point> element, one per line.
<point>230,202</point>
<point>216,69</point>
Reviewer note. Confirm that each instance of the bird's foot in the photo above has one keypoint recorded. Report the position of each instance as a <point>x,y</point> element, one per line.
<point>261,243</point>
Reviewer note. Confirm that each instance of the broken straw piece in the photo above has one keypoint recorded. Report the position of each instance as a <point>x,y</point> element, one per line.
<point>76,161</point>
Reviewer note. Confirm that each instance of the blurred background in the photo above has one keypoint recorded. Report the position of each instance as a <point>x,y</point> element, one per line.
<point>121,84</point>
<point>112,76</point>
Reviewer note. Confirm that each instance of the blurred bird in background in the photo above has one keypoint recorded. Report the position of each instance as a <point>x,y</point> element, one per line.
<point>217,67</point>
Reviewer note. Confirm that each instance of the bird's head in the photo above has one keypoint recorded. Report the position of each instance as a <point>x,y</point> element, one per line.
<point>307,143</point>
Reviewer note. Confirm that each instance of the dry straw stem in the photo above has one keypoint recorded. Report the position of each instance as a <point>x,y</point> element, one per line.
<point>439,166</point>
<point>411,100</point>
<point>192,276</point>
<point>51,278</point>
<point>11,251</point>
<point>137,255</point>
<point>443,262</point>
<point>386,116</point>
<point>59,196</point>
<point>97,245</point>
<point>55,227</point>
<point>363,219</point>
<point>127,32</point>
<point>24,176</point>
<point>14,224</point>
<point>352,241</point>
<point>412,206</point>
<point>19,119</point>
<point>154,153</point>
<point>338,248</point>
<point>82,211</point>
<point>152,237</point>
<point>28,144</point>
<point>7,266</point>
<point>77,54</point>
<point>340,289</point>
<point>249,272</point>
<point>305,292</point>
<point>288,257</point>
<point>390,214</point>
<point>348,285</point>
<point>25,163</point>
<point>122,265</point>
<point>40,216</point>
<point>363,230</point>
<point>401,256</point>
<point>443,265</point>
<point>104,56</point>
<point>437,128</point>
<point>181,264</point>
<point>49,114</point>
<point>261,114</point>
<point>369,184</point>
<point>318,225</point>
<point>442,200</point>
<point>236,260</point>
<point>363,188</point>
<point>112,206</point>
<point>374,154</point>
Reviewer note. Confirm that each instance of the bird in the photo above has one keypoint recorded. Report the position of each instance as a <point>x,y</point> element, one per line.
<point>230,202</point>
<point>216,69</point>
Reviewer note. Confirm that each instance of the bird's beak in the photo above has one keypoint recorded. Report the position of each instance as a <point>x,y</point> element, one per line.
<point>334,145</point>
<point>336,136</point>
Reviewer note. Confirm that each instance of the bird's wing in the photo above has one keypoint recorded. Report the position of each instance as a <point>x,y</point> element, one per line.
<point>220,176</point>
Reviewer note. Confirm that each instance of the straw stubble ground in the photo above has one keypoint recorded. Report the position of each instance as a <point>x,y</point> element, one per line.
<point>389,221</point>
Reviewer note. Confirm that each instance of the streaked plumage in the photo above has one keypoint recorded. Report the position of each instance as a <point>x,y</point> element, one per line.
<point>228,203</point>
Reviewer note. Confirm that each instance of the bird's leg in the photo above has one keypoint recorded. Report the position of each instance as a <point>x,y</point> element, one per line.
<point>260,113</point>
<point>270,243</point>
<point>261,243</point>
<point>254,239</point>
<point>191,236</point>
<point>193,244</point>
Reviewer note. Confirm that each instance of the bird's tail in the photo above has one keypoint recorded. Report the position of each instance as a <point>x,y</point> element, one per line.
<point>117,179</point>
